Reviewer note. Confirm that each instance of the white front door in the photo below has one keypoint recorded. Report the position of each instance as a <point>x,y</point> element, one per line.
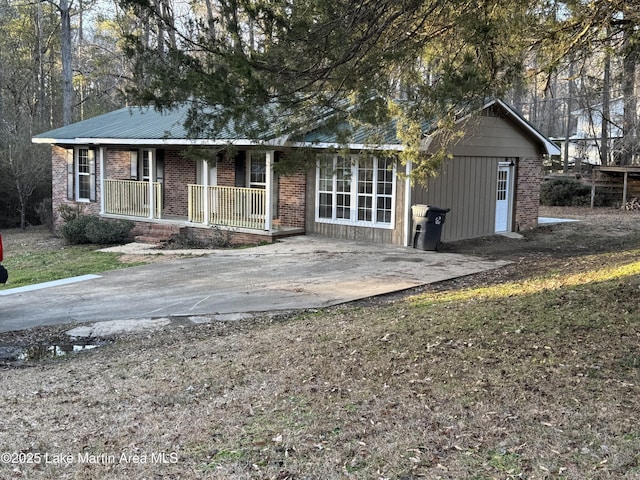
<point>503,199</point>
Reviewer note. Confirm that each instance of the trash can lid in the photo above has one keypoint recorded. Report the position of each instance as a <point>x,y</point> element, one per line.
<point>419,210</point>
<point>431,208</point>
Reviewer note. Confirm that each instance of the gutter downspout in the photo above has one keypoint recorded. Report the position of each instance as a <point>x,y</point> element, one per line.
<point>407,205</point>
<point>152,171</point>
<point>268,210</point>
<point>205,201</point>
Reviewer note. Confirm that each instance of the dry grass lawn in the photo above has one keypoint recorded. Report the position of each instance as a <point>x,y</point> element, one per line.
<point>528,372</point>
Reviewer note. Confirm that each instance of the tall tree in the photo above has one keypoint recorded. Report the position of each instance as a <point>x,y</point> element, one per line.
<point>301,60</point>
<point>64,8</point>
<point>606,110</point>
<point>23,170</point>
<point>631,54</point>
<point>588,28</point>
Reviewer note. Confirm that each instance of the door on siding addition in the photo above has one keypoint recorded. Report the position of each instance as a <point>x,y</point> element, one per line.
<point>504,197</point>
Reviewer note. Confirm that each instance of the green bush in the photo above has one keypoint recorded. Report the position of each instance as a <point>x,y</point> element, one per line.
<point>91,229</point>
<point>108,232</point>
<point>565,192</point>
<point>73,231</point>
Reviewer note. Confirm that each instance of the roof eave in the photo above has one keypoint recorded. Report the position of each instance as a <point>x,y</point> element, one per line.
<point>276,142</point>
<point>157,141</point>
<point>348,146</point>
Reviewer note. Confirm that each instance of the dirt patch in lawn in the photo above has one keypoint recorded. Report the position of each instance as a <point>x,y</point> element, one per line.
<point>30,239</point>
<point>530,371</point>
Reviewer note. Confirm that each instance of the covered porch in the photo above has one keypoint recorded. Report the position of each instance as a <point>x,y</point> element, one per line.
<point>166,195</point>
<point>237,207</point>
<point>142,164</point>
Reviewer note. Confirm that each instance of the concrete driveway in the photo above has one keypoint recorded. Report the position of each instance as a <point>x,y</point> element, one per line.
<point>294,273</point>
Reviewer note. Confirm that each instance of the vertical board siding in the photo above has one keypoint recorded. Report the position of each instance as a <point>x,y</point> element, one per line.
<point>467,186</point>
<point>490,136</point>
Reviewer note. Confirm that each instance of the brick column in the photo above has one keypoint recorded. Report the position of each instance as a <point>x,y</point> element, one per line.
<point>528,182</point>
<point>291,201</point>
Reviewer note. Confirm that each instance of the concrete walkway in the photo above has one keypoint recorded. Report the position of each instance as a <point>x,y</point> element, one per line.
<point>294,273</point>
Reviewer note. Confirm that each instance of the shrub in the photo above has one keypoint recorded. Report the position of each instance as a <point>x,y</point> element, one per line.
<point>91,229</point>
<point>107,232</point>
<point>69,212</point>
<point>73,231</point>
<point>565,192</point>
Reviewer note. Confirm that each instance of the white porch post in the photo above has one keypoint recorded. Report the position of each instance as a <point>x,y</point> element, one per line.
<point>102,160</point>
<point>268,214</point>
<point>408,218</point>
<point>152,171</point>
<point>206,208</point>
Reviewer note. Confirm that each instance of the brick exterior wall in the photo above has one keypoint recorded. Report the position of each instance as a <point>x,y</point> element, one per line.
<point>235,238</point>
<point>527,199</point>
<point>179,172</point>
<point>118,164</point>
<point>226,172</point>
<point>59,181</point>
<point>291,200</point>
<point>59,186</point>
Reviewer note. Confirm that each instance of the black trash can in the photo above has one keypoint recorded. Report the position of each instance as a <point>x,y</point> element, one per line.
<point>427,226</point>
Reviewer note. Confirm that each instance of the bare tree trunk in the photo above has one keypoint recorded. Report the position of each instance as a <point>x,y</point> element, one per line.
<point>606,111</point>
<point>629,119</point>
<point>80,23</point>
<point>210,19</point>
<point>67,73</point>
<point>160,26</point>
<point>567,133</point>
<point>40,110</point>
<point>170,20</point>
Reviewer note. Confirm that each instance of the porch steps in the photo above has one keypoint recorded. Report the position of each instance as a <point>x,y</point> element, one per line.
<point>154,233</point>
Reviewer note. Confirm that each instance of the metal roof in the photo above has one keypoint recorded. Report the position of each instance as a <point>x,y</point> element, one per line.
<point>385,137</point>
<point>148,126</point>
<point>385,134</point>
<point>141,125</point>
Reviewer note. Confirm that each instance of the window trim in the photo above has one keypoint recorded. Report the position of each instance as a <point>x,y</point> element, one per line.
<point>261,161</point>
<point>353,194</point>
<point>74,174</point>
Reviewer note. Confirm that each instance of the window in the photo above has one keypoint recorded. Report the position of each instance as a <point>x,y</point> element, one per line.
<point>384,185</point>
<point>81,174</point>
<point>257,170</point>
<point>502,184</point>
<point>146,164</point>
<point>84,174</point>
<point>140,164</point>
<point>357,190</point>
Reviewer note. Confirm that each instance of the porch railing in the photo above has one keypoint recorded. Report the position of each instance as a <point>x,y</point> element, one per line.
<point>131,198</point>
<point>230,206</point>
